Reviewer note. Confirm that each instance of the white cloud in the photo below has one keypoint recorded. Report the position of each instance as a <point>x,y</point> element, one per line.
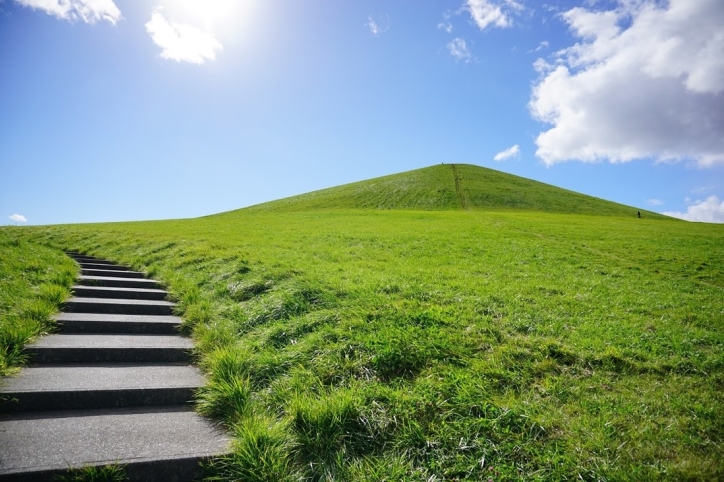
<point>711,210</point>
<point>655,202</point>
<point>486,13</point>
<point>379,25</point>
<point>19,218</point>
<point>459,49</point>
<point>181,42</point>
<point>543,45</point>
<point>90,11</point>
<point>509,153</point>
<point>652,89</point>
<point>446,25</point>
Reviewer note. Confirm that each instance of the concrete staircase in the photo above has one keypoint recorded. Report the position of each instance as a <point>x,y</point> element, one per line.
<point>113,386</point>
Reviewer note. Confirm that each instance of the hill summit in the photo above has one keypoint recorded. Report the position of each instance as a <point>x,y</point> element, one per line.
<point>451,187</point>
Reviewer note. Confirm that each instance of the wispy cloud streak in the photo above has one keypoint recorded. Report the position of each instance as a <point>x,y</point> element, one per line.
<point>378,25</point>
<point>487,13</point>
<point>89,11</point>
<point>458,48</point>
<point>509,153</point>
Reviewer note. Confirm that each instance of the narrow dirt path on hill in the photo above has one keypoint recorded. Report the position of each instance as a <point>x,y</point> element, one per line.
<point>458,189</point>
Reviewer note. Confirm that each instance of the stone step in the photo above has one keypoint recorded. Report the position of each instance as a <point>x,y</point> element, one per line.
<point>110,348</point>
<point>74,254</point>
<point>118,282</point>
<point>154,444</point>
<point>120,307</point>
<point>106,323</point>
<point>94,261</point>
<point>111,273</point>
<point>85,387</point>
<point>106,266</point>
<point>119,293</point>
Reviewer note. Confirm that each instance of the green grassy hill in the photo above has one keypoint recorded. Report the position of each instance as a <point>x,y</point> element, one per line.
<point>451,187</point>
<point>429,342</point>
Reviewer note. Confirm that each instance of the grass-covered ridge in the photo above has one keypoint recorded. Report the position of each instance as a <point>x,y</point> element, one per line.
<point>450,187</point>
<point>446,345</point>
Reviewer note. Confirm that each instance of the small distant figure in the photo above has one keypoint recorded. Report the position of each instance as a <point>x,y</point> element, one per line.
<point>639,214</point>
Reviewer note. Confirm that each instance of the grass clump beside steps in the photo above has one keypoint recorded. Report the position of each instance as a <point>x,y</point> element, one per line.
<point>34,281</point>
<point>104,473</point>
<point>451,344</point>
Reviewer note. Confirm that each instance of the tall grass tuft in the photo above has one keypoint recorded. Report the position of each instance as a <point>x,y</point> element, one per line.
<point>333,430</point>
<point>225,399</point>
<point>261,453</point>
<point>54,295</point>
<point>107,473</point>
<point>14,334</point>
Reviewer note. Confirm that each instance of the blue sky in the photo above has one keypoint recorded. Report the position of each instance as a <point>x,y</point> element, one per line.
<point>114,110</point>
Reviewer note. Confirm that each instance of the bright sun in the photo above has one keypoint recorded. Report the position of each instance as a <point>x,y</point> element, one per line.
<point>218,16</point>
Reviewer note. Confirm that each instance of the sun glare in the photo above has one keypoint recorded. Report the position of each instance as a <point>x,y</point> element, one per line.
<point>223,17</point>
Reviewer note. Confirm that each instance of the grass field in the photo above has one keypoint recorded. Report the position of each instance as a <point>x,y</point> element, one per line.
<point>449,342</point>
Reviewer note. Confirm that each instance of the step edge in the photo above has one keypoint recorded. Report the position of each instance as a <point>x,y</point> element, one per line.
<point>50,471</point>
<point>91,390</point>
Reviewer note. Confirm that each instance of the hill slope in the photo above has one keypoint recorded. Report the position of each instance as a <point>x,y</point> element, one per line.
<point>451,187</point>
<point>414,345</point>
